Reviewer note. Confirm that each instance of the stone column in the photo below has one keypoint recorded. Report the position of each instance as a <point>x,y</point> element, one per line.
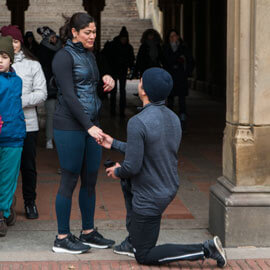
<point>187,22</point>
<point>240,201</point>
<point>17,8</point>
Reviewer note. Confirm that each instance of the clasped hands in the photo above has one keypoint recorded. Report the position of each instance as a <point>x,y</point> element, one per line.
<point>105,141</point>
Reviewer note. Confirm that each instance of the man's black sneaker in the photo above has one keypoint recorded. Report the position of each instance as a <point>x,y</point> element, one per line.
<point>213,249</point>
<point>125,248</point>
<point>31,211</point>
<point>96,240</point>
<point>71,244</point>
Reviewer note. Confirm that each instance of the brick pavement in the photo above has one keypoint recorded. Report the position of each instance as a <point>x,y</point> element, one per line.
<point>259,264</point>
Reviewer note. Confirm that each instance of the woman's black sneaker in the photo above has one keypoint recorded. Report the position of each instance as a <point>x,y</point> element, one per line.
<point>96,240</point>
<point>125,248</point>
<point>71,244</point>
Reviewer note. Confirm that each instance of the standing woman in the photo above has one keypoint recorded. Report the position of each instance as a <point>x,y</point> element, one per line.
<point>150,52</point>
<point>34,92</point>
<point>76,129</point>
<point>178,61</point>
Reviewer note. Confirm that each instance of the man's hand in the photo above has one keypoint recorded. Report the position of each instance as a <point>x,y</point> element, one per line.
<point>106,141</point>
<point>109,83</point>
<point>110,171</point>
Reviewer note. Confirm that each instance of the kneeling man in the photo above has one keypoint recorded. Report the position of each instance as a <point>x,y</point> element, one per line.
<point>151,158</point>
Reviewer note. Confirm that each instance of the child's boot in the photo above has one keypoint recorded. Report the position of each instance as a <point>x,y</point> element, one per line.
<point>3,225</point>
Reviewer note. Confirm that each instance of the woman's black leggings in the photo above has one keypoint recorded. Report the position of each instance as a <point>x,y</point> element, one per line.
<point>79,155</point>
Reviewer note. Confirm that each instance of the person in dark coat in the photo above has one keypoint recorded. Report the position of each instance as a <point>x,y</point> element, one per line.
<point>49,45</point>
<point>30,43</point>
<point>150,52</point>
<point>178,61</point>
<point>120,55</point>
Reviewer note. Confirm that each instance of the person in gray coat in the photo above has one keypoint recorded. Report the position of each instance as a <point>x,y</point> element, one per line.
<point>151,164</point>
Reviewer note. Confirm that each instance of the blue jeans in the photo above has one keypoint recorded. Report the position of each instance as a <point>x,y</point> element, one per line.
<point>79,155</point>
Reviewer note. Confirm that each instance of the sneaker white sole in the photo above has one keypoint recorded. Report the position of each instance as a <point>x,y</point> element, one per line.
<point>63,250</point>
<point>96,246</point>
<point>125,253</point>
<point>220,249</point>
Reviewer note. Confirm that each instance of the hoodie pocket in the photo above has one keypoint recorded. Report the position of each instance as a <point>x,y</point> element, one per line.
<point>13,128</point>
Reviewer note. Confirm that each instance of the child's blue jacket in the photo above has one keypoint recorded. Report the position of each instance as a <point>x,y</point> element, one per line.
<point>13,129</point>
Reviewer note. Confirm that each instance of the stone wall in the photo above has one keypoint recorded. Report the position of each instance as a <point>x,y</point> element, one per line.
<point>49,13</point>
<point>4,14</point>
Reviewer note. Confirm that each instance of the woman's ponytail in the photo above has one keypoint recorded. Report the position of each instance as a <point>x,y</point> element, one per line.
<point>65,30</point>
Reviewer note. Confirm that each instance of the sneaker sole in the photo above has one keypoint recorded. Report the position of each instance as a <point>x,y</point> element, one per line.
<point>220,249</point>
<point>63,250</point>
<point>31,217</point>
<point>125,253</point>
<point>97,246</point>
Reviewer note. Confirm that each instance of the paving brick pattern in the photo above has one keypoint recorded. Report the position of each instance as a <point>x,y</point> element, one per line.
<point>132,265</point>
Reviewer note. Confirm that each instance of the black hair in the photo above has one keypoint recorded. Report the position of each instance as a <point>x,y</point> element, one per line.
<point>153,32</point>
<point>78,20</point>
<point>25,39</point>
<point>173,31</point>
<point>27,53</point>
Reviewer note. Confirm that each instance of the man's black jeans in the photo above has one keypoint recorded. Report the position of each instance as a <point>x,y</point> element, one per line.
<point>144,233</point>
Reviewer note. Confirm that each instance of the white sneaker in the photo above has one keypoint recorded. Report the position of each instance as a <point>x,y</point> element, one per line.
<point>49,144</point>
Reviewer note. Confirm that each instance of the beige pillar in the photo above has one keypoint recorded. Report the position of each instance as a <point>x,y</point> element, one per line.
<point>240,201</point>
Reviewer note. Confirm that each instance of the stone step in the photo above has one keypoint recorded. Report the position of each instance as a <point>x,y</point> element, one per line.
<point>118,13</point>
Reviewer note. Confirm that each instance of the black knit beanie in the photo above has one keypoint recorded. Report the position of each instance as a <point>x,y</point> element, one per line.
<point>157,84</point>
<point>123,32</point>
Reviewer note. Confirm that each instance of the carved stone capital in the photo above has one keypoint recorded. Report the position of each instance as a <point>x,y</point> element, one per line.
<point>21,4</point>
<point>244,135</point>
<point>91,5</point>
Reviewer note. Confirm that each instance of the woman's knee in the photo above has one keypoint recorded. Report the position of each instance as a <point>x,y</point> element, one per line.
<point>68,183</point>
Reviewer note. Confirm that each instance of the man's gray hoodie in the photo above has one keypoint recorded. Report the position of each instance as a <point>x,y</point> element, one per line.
<point>153,139</point>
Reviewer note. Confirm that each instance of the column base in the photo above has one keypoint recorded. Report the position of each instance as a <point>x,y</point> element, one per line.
<point>240,215</point>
